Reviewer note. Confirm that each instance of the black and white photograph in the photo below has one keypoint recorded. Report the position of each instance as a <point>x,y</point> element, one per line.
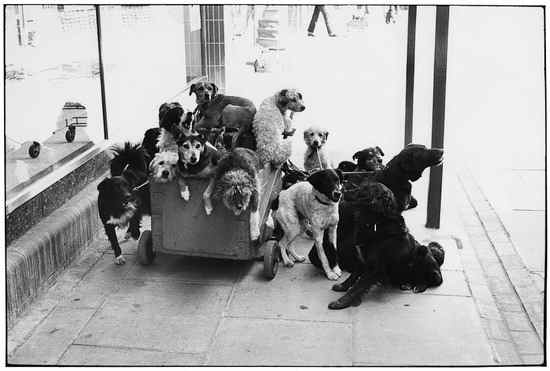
<point>275,185</point>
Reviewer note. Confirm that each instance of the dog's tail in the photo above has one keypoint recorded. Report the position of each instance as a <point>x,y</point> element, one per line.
<point>128,155</point>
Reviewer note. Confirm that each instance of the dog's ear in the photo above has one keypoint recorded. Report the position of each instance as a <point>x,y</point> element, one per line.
<point>162,110</point>
<point>379,150</point>
<point>421,250</point>
<point>192,89</point>
<point>283,100</point>
<point>325,134</point>
<point>437,252</point>
<point>214,89</point>
<point>356,155</point>
<point>104,185</point>
<point>316,179</point>
<point>188,120</point>
<point>300,96</point>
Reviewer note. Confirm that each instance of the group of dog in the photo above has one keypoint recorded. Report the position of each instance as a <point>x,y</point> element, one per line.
<point>352,212</point>
<point>224,139</point>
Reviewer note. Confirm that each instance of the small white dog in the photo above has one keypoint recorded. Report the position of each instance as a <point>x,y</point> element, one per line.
<point>164,166</point>
<point>316,157</point>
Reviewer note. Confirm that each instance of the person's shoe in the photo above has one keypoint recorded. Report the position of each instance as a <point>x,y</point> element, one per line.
<point>332,34</point>
<point>310,34</point>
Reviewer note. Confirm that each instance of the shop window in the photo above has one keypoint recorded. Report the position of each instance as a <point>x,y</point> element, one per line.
<point>145,55</point>
<point>52,89</point>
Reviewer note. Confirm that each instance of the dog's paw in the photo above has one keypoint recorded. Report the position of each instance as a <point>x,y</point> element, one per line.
<point>337,270</point>
<point>269,223</point>
<point>289,263</point>
<point>254,234</point>
<point>420,288</point>
<point>119,260</point>
<point>300,258</point>
<point>405,287</point>
<point>208,209</point>
<point>332,276</point>
<point>185,194</point>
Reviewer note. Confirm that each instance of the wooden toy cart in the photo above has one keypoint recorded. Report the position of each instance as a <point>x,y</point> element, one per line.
<point>183,228</point>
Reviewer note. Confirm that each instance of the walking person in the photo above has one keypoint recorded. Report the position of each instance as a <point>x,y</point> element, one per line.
<point>319,9</point>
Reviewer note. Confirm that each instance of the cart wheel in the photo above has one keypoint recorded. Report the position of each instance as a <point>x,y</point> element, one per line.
<point>70,134</point>
<point>34,150</point>
<point>271,259</point>
<point>145,252</point>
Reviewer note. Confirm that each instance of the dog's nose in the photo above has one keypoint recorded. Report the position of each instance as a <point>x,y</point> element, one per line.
<point>193,159</point>
<point>302,108</point>
<point>165,173</point>
<point>336,195</point>
<point>316,143</point>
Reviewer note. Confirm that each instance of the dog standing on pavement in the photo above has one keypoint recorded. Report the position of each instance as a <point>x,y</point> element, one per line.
<point>316,158</point>
<point>124,197</point>
<point>315,201</point>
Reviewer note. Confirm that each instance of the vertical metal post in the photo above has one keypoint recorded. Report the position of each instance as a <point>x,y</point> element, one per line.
<point>409,89</point>
<point>438,112</point>
<point>101,72</point>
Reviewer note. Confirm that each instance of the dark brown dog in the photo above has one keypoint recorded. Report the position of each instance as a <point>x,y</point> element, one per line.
<point>221,111</point>
<point>369,159</point>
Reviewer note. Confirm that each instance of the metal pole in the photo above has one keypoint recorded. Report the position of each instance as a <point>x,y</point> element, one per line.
<point>409,89</point>
<point>101,72</point>
<point>438,112</point>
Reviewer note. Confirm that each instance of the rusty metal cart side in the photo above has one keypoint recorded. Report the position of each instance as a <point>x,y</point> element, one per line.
<point>183,228</point>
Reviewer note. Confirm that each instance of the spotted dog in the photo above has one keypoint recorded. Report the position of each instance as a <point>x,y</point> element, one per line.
<point>317,202</point>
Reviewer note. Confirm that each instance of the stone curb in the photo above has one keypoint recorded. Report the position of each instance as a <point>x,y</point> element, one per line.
<point>512,263</point>
<point>34,260</point>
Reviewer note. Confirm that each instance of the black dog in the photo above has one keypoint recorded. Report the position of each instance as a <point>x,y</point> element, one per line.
<point>406,167</point>
<point>174,119</point>
<point>369,159</point>
<point>124,197</point>
<point>390,254</point>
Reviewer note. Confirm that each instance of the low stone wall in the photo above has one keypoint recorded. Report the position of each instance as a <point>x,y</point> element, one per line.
<point>34,259</point>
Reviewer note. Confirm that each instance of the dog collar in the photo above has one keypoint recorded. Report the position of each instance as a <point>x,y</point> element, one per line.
<point>322,202</point>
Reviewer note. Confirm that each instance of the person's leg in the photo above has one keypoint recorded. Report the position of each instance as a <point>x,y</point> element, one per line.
<point>314,18</point>
<point>323,10</point>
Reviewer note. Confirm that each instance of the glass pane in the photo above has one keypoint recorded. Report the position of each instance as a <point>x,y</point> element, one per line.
<point>52,89</point>
<point>144,55</point>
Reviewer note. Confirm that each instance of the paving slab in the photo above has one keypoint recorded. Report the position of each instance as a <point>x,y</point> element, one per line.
<point>52,337</point>
<point>85,355</point>
<point>301,292</point>
<point>419,330</point>
<point>101,281</point>
<point>190,269</point>
<point>281,343</point>
<point>167,316</point>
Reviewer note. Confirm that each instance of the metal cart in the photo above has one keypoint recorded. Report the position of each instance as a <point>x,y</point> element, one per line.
<point>183,228</point>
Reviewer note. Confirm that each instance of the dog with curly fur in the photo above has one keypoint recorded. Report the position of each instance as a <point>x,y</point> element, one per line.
<point>237,185</point>
<point>271,126</point>
<point>316,157</point>
<point>164,167</point>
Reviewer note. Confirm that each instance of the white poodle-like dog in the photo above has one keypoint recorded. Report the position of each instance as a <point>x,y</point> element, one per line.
<point>272,128</point>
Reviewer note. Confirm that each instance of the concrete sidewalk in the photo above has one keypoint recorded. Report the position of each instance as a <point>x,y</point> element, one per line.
<point>193,311</point>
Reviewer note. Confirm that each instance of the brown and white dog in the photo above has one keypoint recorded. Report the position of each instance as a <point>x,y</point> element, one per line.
<point>237,185</point>
<point>197,159</point>
<point>271,126</point>
<point>316,158</point>
<point>314,201</point>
